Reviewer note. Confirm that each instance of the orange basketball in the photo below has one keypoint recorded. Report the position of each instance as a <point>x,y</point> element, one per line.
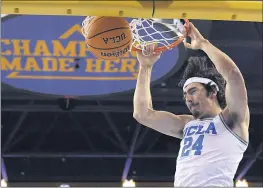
<point>109,37</point>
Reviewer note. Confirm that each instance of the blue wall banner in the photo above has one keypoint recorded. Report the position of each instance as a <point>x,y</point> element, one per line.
<point>39,54</point>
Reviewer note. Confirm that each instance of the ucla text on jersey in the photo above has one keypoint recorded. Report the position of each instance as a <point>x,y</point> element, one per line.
<point>197,145</point>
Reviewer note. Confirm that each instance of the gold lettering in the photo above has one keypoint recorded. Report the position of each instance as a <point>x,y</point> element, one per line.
<point>69,50</point>
<point>109,65</point>
<point>83,49</point>
<point>14,65</point>
<point>41,49</point>
<point>132,54</point>
<point>128,65</point>
<point>5,42</point>
<point>65,65</point>
<point>50,64</point>
<point>93,63</point>
<point>21,47</point>
<point>125,55</point>
<point>31,65</point>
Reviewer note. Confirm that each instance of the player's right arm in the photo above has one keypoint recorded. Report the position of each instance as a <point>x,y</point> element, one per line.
<point>161,121</point>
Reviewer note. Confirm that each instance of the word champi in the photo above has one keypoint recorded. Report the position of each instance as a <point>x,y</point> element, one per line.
<point>58,56</point>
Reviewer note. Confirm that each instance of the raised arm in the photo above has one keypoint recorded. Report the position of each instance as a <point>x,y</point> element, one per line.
<point>236,94</point>
<point>161,121</point>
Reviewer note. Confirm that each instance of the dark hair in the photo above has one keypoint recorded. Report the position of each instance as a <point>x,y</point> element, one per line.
<point>203,67</point>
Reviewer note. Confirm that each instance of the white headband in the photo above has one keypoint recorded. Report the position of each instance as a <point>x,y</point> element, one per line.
<point>200,80</point>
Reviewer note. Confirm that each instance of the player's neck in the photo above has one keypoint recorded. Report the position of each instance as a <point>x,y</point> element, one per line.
<point>213,112</point>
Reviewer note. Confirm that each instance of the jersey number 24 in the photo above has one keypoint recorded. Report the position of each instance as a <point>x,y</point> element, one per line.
<point>189,146</point>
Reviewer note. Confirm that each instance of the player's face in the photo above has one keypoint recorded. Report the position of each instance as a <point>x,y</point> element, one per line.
<point>196,99</point>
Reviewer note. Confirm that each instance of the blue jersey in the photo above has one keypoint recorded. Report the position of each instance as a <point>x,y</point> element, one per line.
<point>209,154</point>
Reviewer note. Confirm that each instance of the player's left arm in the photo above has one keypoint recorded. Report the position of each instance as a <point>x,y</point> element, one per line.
<point>236,93</point>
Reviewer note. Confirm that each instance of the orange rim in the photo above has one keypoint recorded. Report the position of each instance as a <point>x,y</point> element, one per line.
<point>170,46</point>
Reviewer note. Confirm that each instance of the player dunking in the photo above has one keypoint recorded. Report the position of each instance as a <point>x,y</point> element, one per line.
<point>215,136</point>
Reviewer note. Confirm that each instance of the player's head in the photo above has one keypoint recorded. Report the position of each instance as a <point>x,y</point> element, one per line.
<point>203,87</point>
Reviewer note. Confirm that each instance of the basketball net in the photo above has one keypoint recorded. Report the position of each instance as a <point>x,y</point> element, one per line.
<point>164,34</point>
<point>85,25</point>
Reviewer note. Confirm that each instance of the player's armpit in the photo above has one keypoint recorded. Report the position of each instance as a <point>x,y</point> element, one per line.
<point>236,97</point>
<point>164,122</point>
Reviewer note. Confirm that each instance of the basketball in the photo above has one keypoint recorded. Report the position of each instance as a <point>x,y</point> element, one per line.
<point>109,37</point>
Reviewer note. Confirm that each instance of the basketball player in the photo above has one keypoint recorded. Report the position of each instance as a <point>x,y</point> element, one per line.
<point>215,136</point>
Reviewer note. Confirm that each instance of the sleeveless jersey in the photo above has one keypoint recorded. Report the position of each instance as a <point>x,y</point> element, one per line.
<point>209,154</point>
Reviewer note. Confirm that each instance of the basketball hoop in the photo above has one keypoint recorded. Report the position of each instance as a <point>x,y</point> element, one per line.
<point>165,36</point>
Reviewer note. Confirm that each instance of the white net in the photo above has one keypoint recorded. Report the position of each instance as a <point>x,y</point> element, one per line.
<point>161,32</point>
<point>156,31</point>
<point>85,25</point>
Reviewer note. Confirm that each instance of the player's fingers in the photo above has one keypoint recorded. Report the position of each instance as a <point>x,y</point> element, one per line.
<point>146,50</point>
<point>158,53</point>
<point>187,45</point>
<point>194,30</point>
<point>191,30</point>
<point>151,48</point>
<point>138,46</point>
<point>184,32</point>
<point>186,27</point>
<point>192,25</point>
